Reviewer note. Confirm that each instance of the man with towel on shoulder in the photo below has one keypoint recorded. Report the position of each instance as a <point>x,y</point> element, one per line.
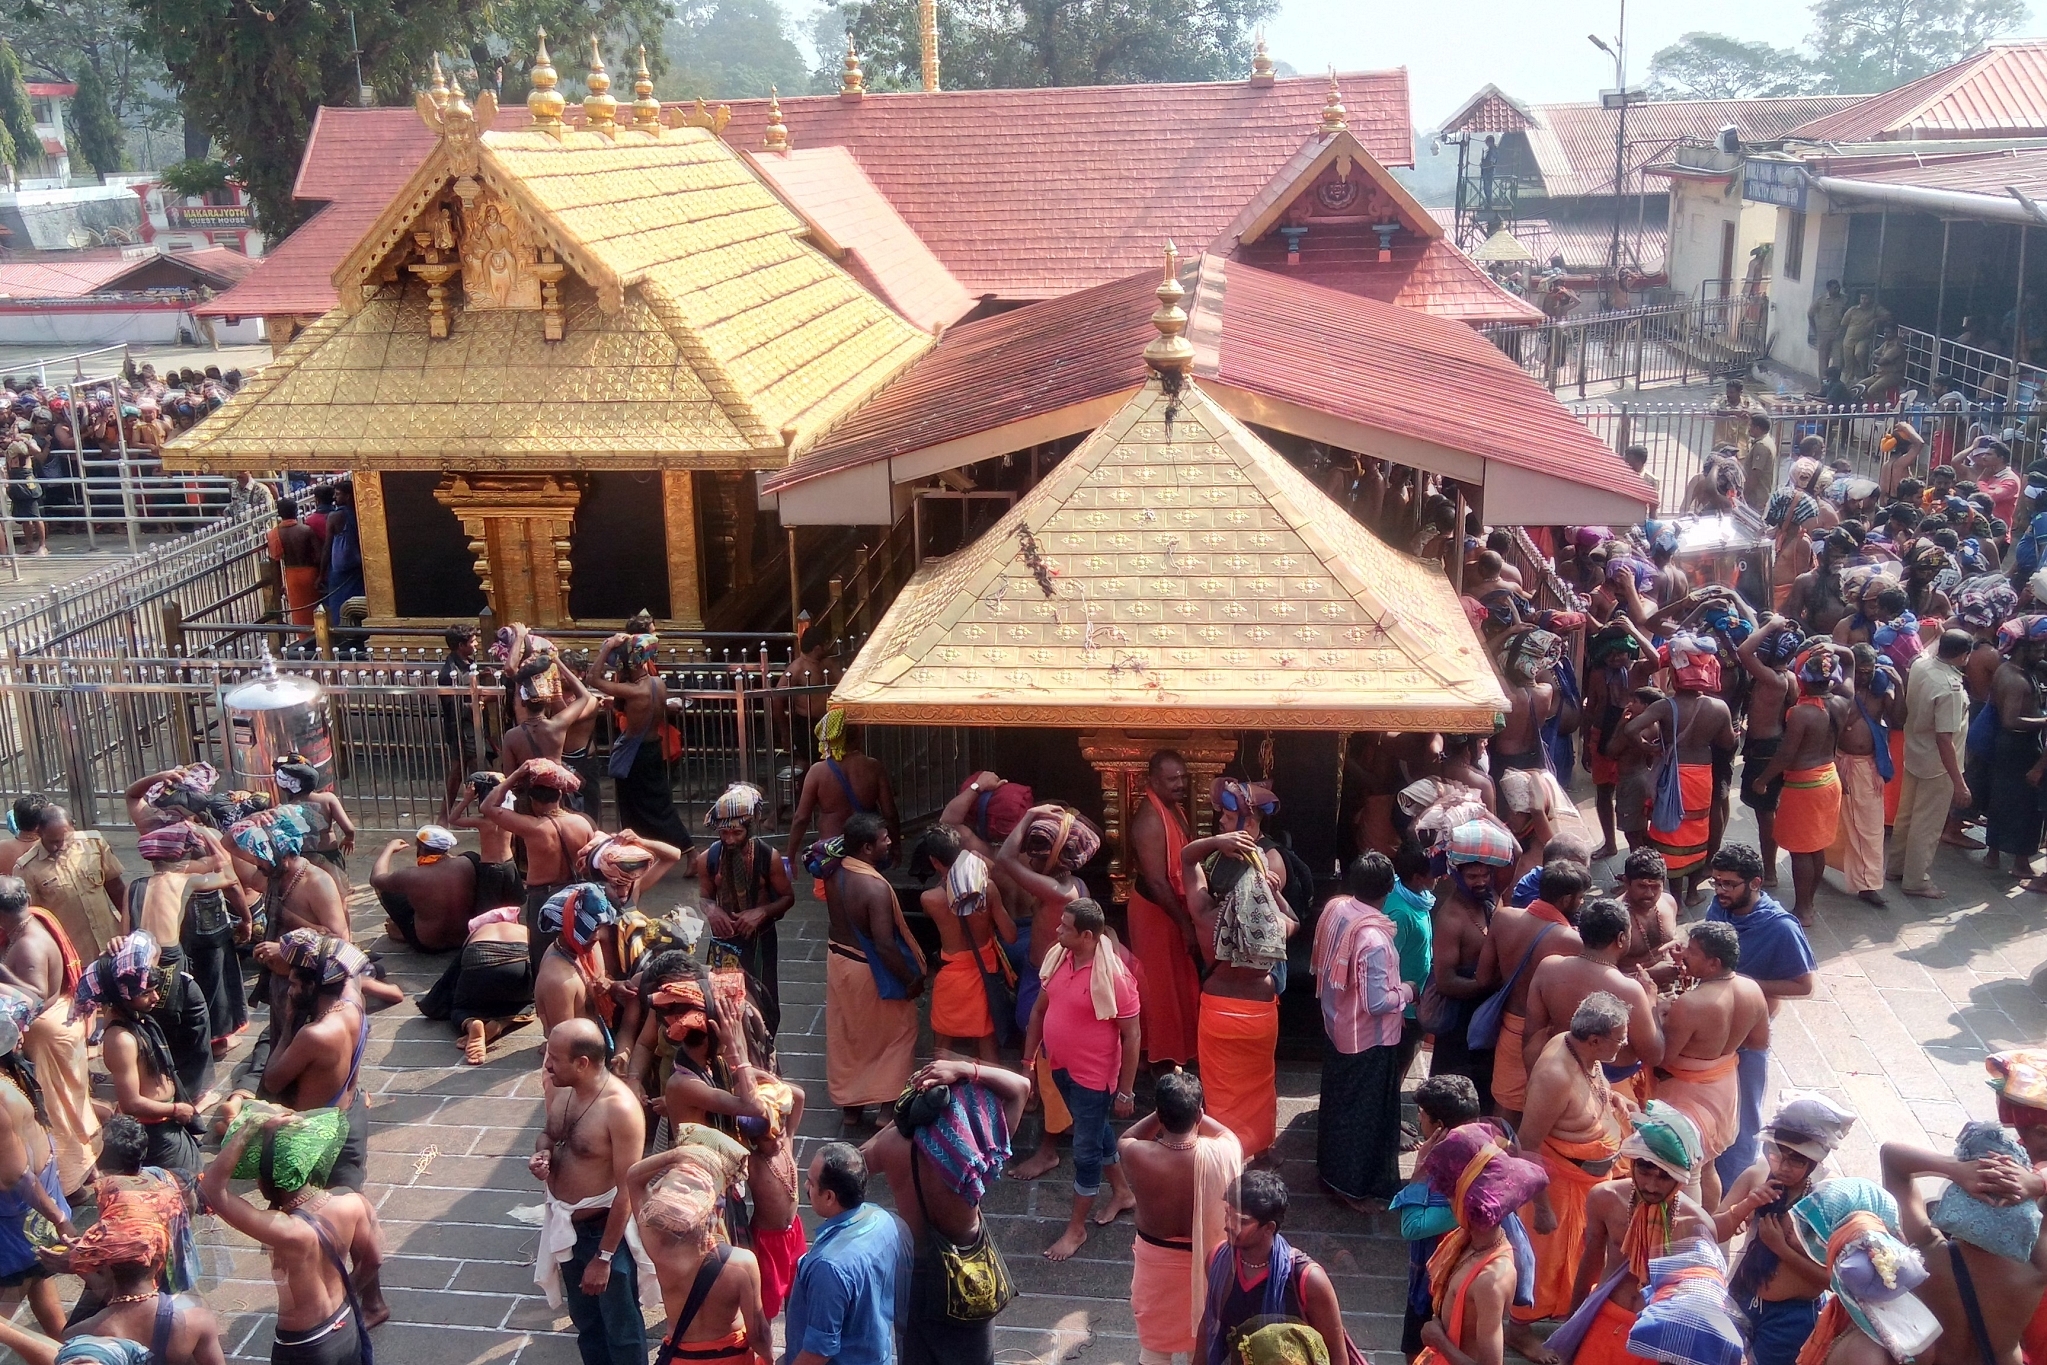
<point>1181,1165</point>
<point>1809,807</point>
<point>874,972</point>
<point>1471,1273</point>
<point>1520,941</point>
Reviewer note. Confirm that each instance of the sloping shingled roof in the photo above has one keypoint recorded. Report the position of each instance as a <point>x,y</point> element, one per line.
<point>78,276</point>
<point>1573,143</point>
<point>1998,92</point>
<point>295,279</point>
<point>1198,579</point>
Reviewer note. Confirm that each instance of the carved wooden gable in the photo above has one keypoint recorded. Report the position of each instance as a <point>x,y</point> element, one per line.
<point>1340,194</point>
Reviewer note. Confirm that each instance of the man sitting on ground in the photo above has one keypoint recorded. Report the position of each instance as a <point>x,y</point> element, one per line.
<point>429,903</point>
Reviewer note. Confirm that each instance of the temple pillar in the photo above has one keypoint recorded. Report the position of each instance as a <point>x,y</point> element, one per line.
<point>374,532</point>
<point>518,527</point>
<point>679,529</point>
<point>1121,759</point>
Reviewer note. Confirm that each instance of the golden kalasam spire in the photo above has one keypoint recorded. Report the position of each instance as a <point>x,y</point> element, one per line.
<point>777,138</point>
<point>600,110</point>
<point>1335,118</point>
<point>439,88</point>
<point>457,109</point>
<point>1261,63</point>
<point>1170,351</point>
<point>852,82</point>
<point>646,108</point>
<point>545,103</point>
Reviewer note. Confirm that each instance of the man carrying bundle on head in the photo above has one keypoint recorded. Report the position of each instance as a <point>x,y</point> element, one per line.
<point>1809,807</point>
<point>148,1082</point>
<point>1848,1233</point>
<point>325,1251</point>
<point>580,975</point>
<point>183,903</point>
<point>550,831</point>
<point>972,996</point>
<point>745,892</point>
<point>639,758</point>
<point>317,1050</point>
<point>710,1289</point>
<point>843,783</point>
<point>120,1259</point>
<point>1696,725</point>
<point>28,1177</point>
<point>37,959</point>
<point>1471,1271</point>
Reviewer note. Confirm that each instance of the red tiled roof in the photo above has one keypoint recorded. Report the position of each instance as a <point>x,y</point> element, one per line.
<point>296,276</point>
<point>1998,92</point>
<point>1491,110</point>
<point>1398,371</point>
<point>222,262</point>
<point>52,146</point>
<point>1573,143</point>
<point>1036,193</point>
<point>51,89</point>
<point>77,276</point>
<point>1427,276</point>
<point>994,371</point>
<point>827,187</point>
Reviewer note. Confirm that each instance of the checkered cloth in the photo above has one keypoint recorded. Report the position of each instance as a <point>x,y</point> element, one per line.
<point>1482,841</point>
<point>1687,1318</point>
<point>320,955</point>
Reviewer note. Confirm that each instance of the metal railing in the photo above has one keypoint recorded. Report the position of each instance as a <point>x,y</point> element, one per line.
<point>1637,347</point>
<point>1983,378</point>
<point>84,728</point>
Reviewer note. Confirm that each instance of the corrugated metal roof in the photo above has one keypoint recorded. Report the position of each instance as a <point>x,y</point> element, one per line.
<point>1574,143</point>
<point>1988,173</point>
<point>1585,246</point>
<point>2000,91</point>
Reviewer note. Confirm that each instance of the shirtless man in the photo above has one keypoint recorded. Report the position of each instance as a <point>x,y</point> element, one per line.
<point>843,783</point>
<point>431,902</point>
<point>1663,1156</point>
<point>870,1038</point>
<point>1704,1031</point>
<point>965,906</point>
<point>325,1308</point>
<point>147,1085</point>
<point>1771,689</point>
<point>1879,700</point>
<point>541,733</point>
<point>727,1323</point>
<point>1562,984</point>
<point>1652,918</point>
<point>1966,1281</point>
<point>1573,1122</point>
<point>1810,802</point>
<point>1162,932</point>
<point>1791,548</point>
<point>1698,725</point>
<point>183,861</point>
<point>297,894</point>
<point>28,1176</point>
<point>560,990</point>
<point>1179,1163</point>
<point>1815,602</point>
<point>129,1289</point>
<point>926,1201</point>
<point>1531,701</point>
<point>1519,943</point>
<point>551,833</point>
<point>499,881</point>
<point>798,701</point>
<point>1781,1302</point>
<point>1463,916</point>
<point>27,813</point>
<point>594,1134</point>
<point>34,960</point>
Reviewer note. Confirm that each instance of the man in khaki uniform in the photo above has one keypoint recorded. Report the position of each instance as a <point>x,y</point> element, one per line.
<point>1859,326</point>
<point>74,875</point>
<point>1824,317</point>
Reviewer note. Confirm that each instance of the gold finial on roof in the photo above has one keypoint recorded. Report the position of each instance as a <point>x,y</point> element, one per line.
<point>1335,118</point>
<point>852,82</point>
<point>1261,63</point>
<point>777,138</point>
<point>457,109</point>
<point>1170,352</point>
<point>439,89</point>
<point>646,108</point>
<point>545,103</point>
<point>600,110</point>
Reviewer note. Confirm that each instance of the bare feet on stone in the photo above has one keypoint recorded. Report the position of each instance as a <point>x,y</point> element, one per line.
<point>1039,1163</point>
<point>1073,1240</point>
<point>1875,898</point>
<point>1117,1204</point>
<point>1523,1342</point>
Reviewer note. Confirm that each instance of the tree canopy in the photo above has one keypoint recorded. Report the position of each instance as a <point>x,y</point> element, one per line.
<point>99,132</point>
<point>1713,66</point>
<point>1869,45</point>
<point>1020,43</point>
<point>732,49</point>
<point>17,122</point>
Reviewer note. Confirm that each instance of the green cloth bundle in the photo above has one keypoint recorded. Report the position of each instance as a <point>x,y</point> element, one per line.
<point>305,1148</point>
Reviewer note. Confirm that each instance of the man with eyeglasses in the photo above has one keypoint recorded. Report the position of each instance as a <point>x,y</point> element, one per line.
<point>1775,955</point>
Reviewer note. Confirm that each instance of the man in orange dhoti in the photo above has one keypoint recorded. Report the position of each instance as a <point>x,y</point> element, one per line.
<point>1574,1122</point>
<point>1180,1164</point>
<point>1161,931</point>
<point>973,928</point>
<point>1809,810</point>
<point>873,974</point>
<point>1471,1272</point>
<point>1862,757</point>
<point>1696,724</point>
<point>1704,1034</point>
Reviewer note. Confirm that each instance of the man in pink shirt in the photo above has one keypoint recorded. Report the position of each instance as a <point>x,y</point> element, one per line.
<point>1995,476</point>
<point>1085,1022</point>
<point>1357,977</point>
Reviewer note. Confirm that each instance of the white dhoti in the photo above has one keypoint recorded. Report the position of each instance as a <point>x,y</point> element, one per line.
<point>558,1243</point>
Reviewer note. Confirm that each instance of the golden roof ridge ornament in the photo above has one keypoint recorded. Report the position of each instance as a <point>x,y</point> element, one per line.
<point>438,90</point>
<point>457,111</point>
<point>777,137</point>
<point>1170,353</point>
<point>852,82</point>
<point>646,108</point>
<point>600,110</point>
<point>1335,118</point>
<point>545,103</point>
<point>1262,71</point>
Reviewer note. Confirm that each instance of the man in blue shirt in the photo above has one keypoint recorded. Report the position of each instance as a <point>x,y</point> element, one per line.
<point>849,1284</point>
<point>1776,956</point>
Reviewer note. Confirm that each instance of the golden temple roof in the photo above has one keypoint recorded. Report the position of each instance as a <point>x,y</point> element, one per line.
<point>695,318</point>
<point>1176,571</point>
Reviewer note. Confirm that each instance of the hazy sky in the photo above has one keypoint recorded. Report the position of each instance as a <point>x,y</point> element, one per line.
<point>1533,50</point>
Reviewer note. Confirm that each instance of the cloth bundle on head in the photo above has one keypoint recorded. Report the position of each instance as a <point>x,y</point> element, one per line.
<point>1982,602</point>
<point>238,804</point>
<point>640,650</point>
<point>1899,639</point>
<point>683,1201</point>
<point>434,838</point>
<point>2019,630</point>
<point>266,841</point>
<point>1805,472</point>
<point>300,1152</point>
<point>741,803</point>
<point>2020,1079</point>
<point>995,812</point>
<point>103,1351</point>
<point>1780,649</point>
<point>577,913</point>
<point>2009,1231</point>
<point>1930,557</point>
<point>1528,653</point>
<point>1072,836</point>
<point>1240,796</point>
<point>118,976</point>
<point>619,859</point>
<point>1612,646</point>
<point>961,1130</point>
<point>170,844</point>
<point>1818,664</point>
<point>1468,1167</point>
<point>831,734</point>
<point>966,883</point>
<point>1730,626</point>
<point>17,1012</point>
<point>1686,1317</point>
<point>295,775</point>
<point>1850,1226</point>
<point>1695,659</point>
<point>327,959</point>
<point>1810,1124</point>
<point>1665,1137</point>
<point>548,773</point>
<point>680,1003</point>
<point>126,1241</point>
<point>194,779</point>
<point>1283,1343</point>
<point>1483,841</point>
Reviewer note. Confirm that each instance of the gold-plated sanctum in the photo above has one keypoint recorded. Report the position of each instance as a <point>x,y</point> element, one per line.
<point>646,108</point>
<point>1335,118</point>
<point>1170,351</point>
<point>545,103</point>
<point>777,136</point>
<point>1262,72</point>
<point>852,82</point>
<point>600,110</point>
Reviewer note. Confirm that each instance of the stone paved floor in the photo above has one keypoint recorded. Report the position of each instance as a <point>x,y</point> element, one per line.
<point>1908,1002</point>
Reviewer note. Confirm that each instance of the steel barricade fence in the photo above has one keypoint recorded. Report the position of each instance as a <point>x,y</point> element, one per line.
<point>1640,346</point>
